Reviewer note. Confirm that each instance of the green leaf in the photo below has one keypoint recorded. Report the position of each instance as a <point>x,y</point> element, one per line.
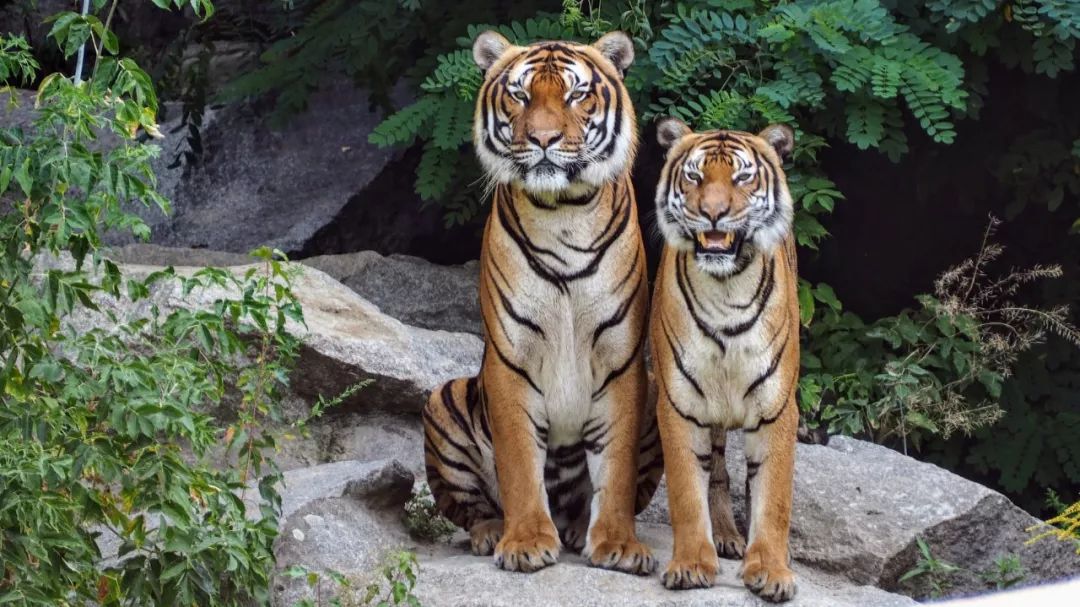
<point>22,176</point>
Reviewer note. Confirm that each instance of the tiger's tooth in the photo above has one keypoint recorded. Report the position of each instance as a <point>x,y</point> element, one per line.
<point>728,238</point>
<point>702,239</point>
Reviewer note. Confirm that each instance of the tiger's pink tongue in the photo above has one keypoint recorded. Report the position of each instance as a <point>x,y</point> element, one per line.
<point>716,240</point>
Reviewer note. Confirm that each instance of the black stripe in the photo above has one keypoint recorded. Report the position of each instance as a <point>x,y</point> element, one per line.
<point>746,325</point>
<point>676,355</point>
<point>773,365</point>
<point>516,369</point>
<point>615,373</point>
<point>620,314</point>
<point>690,418</point>
<point>682,280</point>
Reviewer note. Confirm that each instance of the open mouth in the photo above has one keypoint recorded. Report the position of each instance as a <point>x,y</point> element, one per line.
<point>715,242</point>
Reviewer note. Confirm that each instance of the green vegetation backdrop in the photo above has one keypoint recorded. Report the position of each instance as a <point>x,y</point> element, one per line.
<point>112,432</point>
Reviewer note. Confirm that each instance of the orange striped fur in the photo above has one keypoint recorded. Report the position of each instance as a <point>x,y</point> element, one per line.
<point>552,444</point>
<point>725,345</point>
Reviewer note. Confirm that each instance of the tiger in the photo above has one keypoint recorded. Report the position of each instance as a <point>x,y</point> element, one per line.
<point>724,341</point>
<point>552,445</point>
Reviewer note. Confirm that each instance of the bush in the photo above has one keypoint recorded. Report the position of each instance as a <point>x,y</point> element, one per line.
<point>106,437</point>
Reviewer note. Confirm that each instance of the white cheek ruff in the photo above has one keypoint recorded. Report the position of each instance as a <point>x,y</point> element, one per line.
<point>772,229</point>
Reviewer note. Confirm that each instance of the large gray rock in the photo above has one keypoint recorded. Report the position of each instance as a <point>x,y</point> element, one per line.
<point>345,340</point>
<point>346,514</point>
<point>412,290</point>
<point>257,185</point>
<point>858,508</point>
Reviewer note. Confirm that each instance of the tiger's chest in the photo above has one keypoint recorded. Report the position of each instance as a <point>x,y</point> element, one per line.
<point>565,285</point>
<point>736,362</point>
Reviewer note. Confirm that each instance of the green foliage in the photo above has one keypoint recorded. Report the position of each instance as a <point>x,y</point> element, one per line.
<point>106,432</point>
<point>422,518</point>
<point>931,371</point>
<point>930,570</point>
<point>1006,572</point>
<point>392,585</point>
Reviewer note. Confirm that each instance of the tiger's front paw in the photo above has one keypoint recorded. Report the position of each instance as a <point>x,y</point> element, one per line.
<point>769,578</point>
<point>483,536</point>
<point>628,555</point>
<point>527,550</point>
<point>695,568</point>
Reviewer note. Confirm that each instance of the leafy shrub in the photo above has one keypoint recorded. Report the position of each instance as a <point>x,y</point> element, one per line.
<point>932,371</point>
<point>422,518</point>
<point>1006,572</point>
<point>393,584</point>
<point>106,433</point>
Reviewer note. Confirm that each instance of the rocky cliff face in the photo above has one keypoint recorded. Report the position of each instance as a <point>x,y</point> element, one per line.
<point>858,507</point>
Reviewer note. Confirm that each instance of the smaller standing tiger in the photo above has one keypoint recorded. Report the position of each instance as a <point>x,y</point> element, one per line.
<point>724,329</point>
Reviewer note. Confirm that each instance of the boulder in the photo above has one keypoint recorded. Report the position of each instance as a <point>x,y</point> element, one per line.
<point>342,516</point>
<point>858,508</point>
<point>258,185</point>
<point>345,340</point>
<point>412,290</point>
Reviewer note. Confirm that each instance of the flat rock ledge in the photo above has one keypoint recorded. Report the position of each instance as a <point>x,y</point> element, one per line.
<point>346,517</point>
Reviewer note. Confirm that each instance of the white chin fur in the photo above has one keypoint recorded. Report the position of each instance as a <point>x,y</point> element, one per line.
<point>717,266</point>
<point>546,182</point>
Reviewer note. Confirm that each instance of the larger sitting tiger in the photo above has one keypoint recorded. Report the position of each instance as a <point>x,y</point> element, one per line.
<point>725,343</point>
<point>552,444</point>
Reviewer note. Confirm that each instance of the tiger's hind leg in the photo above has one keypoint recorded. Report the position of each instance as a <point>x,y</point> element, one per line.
<point>729,542</point>
<point>650,458</point>
<point>569,491</point>
<point>460,463</point>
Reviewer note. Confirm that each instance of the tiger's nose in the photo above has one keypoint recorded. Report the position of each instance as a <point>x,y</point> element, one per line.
<point>715,210</point>
<point>545,139</point>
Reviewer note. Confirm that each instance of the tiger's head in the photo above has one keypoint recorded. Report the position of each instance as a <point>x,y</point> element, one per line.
<point>723,194</point>
<point>554,117</point>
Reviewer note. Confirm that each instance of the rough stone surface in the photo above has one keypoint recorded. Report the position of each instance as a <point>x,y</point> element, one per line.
<point>344,517</point>
<point>858,508</point>
<point>346,340</point>
<point>256,185</point>
<point>412,290</point>
<point>378,484</point>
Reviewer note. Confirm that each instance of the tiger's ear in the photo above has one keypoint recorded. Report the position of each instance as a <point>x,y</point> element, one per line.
<point>617,48</point>
<point>488,47</point>
<point>670,130</point>
<point>781,137</point>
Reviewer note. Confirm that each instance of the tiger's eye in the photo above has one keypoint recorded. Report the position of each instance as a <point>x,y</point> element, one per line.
<point>576,95</point>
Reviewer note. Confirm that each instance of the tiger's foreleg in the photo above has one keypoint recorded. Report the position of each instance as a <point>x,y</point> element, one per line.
<point>729,542</point>
<point>612,440</point>
<point>687,454</point>
<point>770,465</point>
<point>530,540</point>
